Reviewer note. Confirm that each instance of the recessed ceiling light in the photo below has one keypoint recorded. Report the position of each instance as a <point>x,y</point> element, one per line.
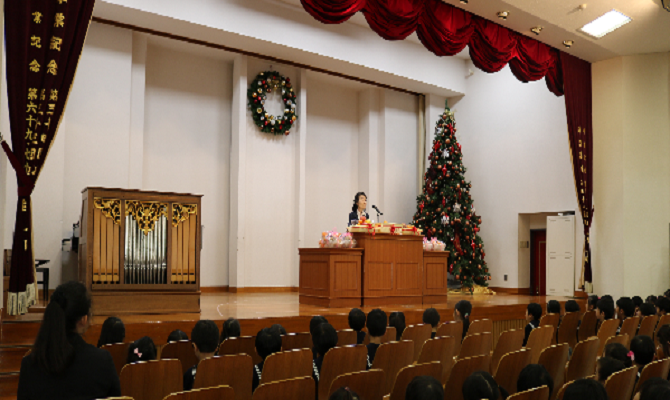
<point>536,29</point>
<point>568,43</point>
<point>605,24</point>
<point>666,4</point>
<point>503,14</point>
<point>464,1</point>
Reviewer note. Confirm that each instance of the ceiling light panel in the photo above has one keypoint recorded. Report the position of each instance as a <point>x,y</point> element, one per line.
<point>605,24</point>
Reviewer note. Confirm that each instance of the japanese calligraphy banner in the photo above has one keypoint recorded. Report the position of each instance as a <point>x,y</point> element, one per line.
<point>44,39</point>
<point>577,87</point>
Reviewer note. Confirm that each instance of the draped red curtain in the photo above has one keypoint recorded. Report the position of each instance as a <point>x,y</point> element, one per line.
<point>44,39</point>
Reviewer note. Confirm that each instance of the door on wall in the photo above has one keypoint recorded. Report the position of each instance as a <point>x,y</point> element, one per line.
<point>560,255</point>
<point>538,262</point>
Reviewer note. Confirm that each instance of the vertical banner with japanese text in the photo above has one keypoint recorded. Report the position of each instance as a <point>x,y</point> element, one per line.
<point>43,39</point>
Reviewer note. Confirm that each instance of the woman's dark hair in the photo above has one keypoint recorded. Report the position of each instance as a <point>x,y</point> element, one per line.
<point>376,323</point>
<point>69,304</point>
<point>424,388</point>
<point>553,307</point>
<point>647,309</point>
<point>572,306</point>
<point>113,331</point>
<point>592,301</point>
<point>432,317</point>
<point>643,349</point>
<point>356,319</point>
<point>619,352</point>
<point>177,335</point>
<point>585,389</point>
<point>464,308</point>
<point>480,386</point>
<point>397,320</point>
<point>142,349</point>
<point>534,376</point>
<point>535,310</point>
<point>268,341</point>
<point>230,328</point>
<point>607,367</point>
<point>344,393</point>
<point>663,336</point>
<point>655,389</point>
<point>354,208</point>
<point>637,300</point>
<point>314,325</point>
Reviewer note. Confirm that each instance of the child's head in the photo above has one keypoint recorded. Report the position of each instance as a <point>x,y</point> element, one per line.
<point>230,329</point>
<point>376,323</point>
<point>585,389</point>
<point>177,335</point>
<point>637,301</point>
<point>651,299</point>
<point>654,389</point>
<point>356,319</point>
<point>607,366</point>
<point>268,341</point>
<point>553,307</point>
<point>432,317</point>
<point>663,306</point>
<point>344,393</point>
<point>397,320</point>
<point>279,328</point>
<point>647,309</point>
<point>424,388</point>
<point>205,338</point>
<point>619,352</point>
<point>462,310</point>
<point>325,338</point>
<point>142,349</point>
<point>605,309</point>
<point>572,306</point>
<point>113,331</point>
<point>534,376</point>
<point>663,337</point>
<point>625,308</point>
<point>533,312</point>
<point>480,386</point>
<point>591,303</point>
<point>314,325</point>
<point>643,350</point>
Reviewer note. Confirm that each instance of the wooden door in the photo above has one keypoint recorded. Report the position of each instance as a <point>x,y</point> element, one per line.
<point>538,262</point>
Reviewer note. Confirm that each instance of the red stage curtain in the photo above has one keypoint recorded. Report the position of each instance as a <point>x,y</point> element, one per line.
<point>533,59</point>
<point>554,78</point>
<point>443,29</point>
<point>332,11</point>
<point>491,46</point>
<point>393,19</point>
<point>43,40</point>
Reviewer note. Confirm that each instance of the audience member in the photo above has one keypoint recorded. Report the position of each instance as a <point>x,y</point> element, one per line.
<point>357,323</point>
<point>230,329</point>
<point>344,393</point>
<point>591,303</point>
<point>268,341</point>
<point>113,331</point>
<point>662,306</point>
<point>397,320</point>
<point>462,313</point>
<point>480,386</point>
<point>651,300</point>
<point>325,338</point>
<point>313,326</point>
<point>654,389</point>
<point>376,324</point>
<point>663,338</point>
<point>143,349</point>
<point>637,301</point>
<point>625,308</point>
<point>643,351</point>
<point>62,365</point>
<point>553,307</point>
<point>607,297</point>
<point>647,309</point>
<point>606,366</point>
<point>432,317</point>
<point>534,376</point>
<point>585,389</point>
<point>533,315</point>
<point>619,352</point>
<point>205,338</point>
<point>279,328</point>
<point>604,309</point>
<point>572,306</point>
<point>177,335</point>
<point>424,388</point>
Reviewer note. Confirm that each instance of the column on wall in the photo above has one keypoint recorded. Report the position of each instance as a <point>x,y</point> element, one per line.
<point>137,90</point>
<point>301,144</point>
<point>371,128</point>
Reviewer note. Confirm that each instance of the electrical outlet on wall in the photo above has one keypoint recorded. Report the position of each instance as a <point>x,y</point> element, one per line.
<point>505,278</point>
<point>524,244</point>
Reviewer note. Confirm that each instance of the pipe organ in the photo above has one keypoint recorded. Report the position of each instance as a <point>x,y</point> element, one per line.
<point>139,251</point>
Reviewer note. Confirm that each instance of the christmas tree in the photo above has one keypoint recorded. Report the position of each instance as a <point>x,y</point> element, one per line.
<point>445,209</point>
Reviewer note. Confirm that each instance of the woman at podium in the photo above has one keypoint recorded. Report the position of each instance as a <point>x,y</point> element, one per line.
<point>358,209</point>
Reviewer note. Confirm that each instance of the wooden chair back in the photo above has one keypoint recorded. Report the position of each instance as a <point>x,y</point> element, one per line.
<point>417,334</point>
<point>656,369</point>
<point>183,351</point>
<point>541,393</point>
<point>389,336</point>
<point>367,384</point>
<point>607,330</point>
<point>629,327</point>
<point>292,341</point>
<point>243,345</point>
<point>410,372</point>
<point>210,393</point>
<point>339,361</point>
<point>119,352</point>
<point>554,359</point>
<point>510,367</point>
<point>477,344</point>
<point>151,380</point>
<point>291,389</point>
<point>234,370</point>
<point>287,365</point>
<point>508,342</point>
<point>664,320</point>
<point>439,349</point>
<point>552,320</point>
<point>345,337</point>
<point>480,326</point>
<point>621,339</point>
<point>391,358</point>
<point>620,385</point>
<point>567,331</point>
<point>561,391</point>
<point>463,368</point>
<point>455,330</point>
<point>583,361</point>
<point>587,328</point>
<point>647,326</point>
<point>540,338</point>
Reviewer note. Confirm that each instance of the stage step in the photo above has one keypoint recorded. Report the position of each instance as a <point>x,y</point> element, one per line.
<point>9,384</point>
<point>10,358</point>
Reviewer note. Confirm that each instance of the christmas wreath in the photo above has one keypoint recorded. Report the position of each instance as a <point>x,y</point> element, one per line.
<point>265,83</point>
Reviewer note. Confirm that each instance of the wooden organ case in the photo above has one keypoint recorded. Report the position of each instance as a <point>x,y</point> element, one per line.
<point>139,251</point>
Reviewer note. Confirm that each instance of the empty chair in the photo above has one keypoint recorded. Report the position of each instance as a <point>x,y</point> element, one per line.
<point>119,352</point>
<point>551,320</point>
<point>567,331</point>
<point>621,339</point>
<point>664,320</point>
<point>389,336</point>
<point>211,393</point>
<point>508,342</point>
<point>290,389</point>
<point>462,369</point>
<point>346,337</point>
<point>151,380</point>
<point>242,345</point>
<point>480,326</point>
<point>455,330</point>
<point>510,367</point>
<point>476,345</point>
<point>302,340</point>
<point>541,393</point>
<point>647,326</point>
<point>439,349</point>
<point>339,361</point>
<point>629,327</point>
<point>587,328</point>
<point>391,358</point>
<point>183,351</point>
<point>410,372</point>
<point>418,334</point>
<point>607,330</point>
<point>287,365</point>
<point>620,385</point>
<point>656,369</point>
<point>367,384</point>
<point>583,361</point>
<point>553,359</point>
<point>234,370</point>
<point>539,339</point>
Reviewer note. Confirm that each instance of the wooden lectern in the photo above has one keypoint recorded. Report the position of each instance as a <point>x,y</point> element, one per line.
<point>139,252</point>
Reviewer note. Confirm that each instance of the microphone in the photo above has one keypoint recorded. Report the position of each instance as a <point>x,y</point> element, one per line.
<point>378,212</point>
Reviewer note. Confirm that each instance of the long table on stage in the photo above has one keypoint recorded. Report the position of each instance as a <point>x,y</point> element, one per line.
<point>385,269</point>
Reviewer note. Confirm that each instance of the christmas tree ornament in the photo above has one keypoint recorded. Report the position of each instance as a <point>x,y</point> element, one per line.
<point>457,208</point>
